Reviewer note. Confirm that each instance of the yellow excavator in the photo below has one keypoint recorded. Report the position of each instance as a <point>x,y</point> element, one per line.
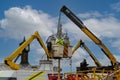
<point>82,44</point>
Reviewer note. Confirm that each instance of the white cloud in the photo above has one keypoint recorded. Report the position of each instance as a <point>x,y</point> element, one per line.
<point>105,27</point>
<point>19,22</point>
<point>92,14</point>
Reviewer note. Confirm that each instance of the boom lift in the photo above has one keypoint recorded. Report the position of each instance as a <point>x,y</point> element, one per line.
<point>18,51</point>
<point>81,25</point>
<point>57,51</point>
<point>82,44</point>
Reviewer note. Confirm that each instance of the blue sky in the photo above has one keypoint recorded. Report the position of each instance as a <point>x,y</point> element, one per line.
<point>19,18</point>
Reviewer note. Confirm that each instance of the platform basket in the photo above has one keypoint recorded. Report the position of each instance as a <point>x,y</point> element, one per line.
<point>57,51</point>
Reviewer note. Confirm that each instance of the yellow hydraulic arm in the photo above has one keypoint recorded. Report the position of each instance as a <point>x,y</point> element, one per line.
<point>80,24</point>
<point>8,60</point>
<point>81,43</point>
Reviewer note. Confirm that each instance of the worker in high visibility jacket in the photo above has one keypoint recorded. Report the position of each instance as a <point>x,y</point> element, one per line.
<point>59,41</point>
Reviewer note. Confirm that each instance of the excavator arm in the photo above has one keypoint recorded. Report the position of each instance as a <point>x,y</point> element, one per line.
<point>80,24</point>
<point>18,51</point>
<point>82,44</point>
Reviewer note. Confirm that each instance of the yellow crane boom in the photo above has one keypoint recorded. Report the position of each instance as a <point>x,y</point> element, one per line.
<point>80,24</point>
<point>81,43</point>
